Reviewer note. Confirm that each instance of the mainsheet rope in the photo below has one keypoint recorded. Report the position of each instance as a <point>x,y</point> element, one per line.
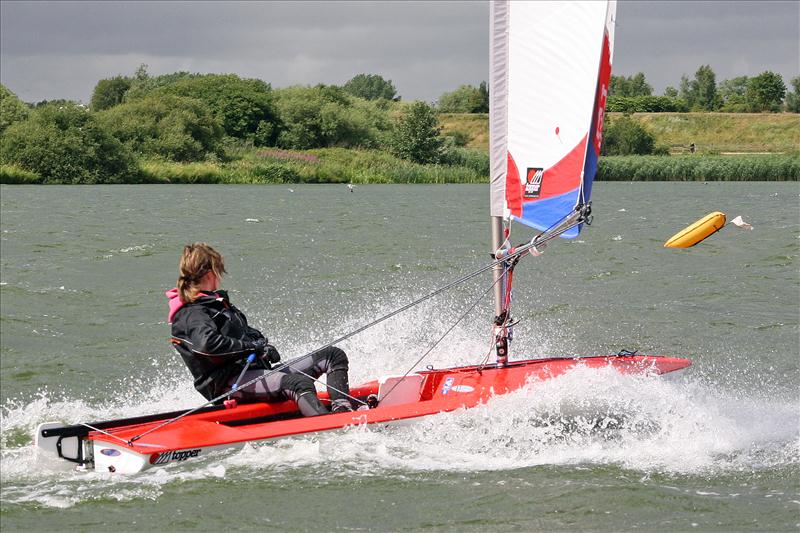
<point>418,361</point>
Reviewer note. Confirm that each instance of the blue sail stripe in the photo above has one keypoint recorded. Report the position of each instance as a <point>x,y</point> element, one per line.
<point>542,214</point>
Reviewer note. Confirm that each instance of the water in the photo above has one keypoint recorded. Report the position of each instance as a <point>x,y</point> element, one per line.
<point>84,337</point>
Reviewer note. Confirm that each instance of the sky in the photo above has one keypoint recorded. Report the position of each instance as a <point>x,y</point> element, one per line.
<point>51,50</point>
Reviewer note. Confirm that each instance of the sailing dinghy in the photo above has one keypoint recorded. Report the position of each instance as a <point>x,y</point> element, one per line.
<point>550,68</point>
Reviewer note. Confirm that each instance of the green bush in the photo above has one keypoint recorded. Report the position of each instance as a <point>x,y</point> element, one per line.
<point>765,92</point>
<point>64,144</point>
<point>240,105</point>
<point>625,136</point>
<point>635,85</point>
<point>339,165</point>
<point>275,173</point>
<point>12,109</point>
<point>417,136</point>
<point>173,127</point>
<point>475,160</point>
<point>465,99</point>
<point>109,92</point>
<point>645,104</point>
<point>143,84</point>
<point>325,165</point>
<point>160,171</point>
<point>325,116</point>
<point>371,87</point>
<point>457,138</point>
<point>793,97</point>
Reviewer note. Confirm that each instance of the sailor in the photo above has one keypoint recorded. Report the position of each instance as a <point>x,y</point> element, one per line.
<point>214,340</point>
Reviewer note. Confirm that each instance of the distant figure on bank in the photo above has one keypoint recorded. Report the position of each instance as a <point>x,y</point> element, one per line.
<point>691,148</point>
<point>214,340</point>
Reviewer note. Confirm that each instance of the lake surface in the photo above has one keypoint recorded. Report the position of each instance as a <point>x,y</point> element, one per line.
<point>84,337</point>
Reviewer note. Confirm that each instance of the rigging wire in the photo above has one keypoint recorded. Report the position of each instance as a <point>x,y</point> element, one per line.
<point>446,333</point>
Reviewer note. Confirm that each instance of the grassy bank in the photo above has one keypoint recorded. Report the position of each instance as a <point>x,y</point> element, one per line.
<point>712,133</point>
<point>725,132</point>
<point>474,125</point>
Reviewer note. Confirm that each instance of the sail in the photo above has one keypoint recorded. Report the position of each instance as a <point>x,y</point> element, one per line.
<point>550,64</point>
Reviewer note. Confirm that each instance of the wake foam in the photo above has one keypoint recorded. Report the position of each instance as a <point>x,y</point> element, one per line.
<point>588,416</point>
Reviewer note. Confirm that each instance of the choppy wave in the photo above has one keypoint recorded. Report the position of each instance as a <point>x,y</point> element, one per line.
<point>586,417</point>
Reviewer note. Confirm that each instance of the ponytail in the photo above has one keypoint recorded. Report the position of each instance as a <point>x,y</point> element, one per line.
<point>197,260</point>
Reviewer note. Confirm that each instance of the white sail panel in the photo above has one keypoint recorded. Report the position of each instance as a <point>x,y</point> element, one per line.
<point>545,62</point>
<point>498,105</point>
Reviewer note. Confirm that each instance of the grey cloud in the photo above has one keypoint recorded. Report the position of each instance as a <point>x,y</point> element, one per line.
<point>195,28</point>
<point>60,49</point>
<point>667,39</point>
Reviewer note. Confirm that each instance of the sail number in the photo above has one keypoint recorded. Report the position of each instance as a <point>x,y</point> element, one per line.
<point>601,114</point>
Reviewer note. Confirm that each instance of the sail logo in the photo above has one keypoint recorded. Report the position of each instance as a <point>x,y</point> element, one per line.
<point>175,455</point>
<point>533,182</point>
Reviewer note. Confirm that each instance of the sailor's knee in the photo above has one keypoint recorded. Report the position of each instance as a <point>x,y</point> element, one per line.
<point>337,360</point>
<point>296,384</point>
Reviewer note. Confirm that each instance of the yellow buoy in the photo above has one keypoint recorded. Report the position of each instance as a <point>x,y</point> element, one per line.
<point>691,235</point>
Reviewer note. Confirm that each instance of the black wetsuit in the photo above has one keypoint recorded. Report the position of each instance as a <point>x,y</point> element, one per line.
<point>214,339</point>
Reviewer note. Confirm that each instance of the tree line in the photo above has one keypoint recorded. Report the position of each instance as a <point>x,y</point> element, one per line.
<point>188,117</point>
<point>766,92</point>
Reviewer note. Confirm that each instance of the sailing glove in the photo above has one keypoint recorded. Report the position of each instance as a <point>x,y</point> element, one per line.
<point>266,353</point>
<point>271,354</point>
<point>260,347</point>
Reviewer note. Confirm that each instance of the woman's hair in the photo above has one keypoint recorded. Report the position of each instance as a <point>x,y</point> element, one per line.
<point>197,260</point>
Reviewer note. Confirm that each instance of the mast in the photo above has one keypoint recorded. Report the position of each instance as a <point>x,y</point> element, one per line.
<point>496,226</point>
<point>501,279</point>
<point>498,160</point>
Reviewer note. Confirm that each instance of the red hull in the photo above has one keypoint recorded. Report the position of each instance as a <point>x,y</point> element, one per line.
<point>106,446</point>
<point>439,391</point>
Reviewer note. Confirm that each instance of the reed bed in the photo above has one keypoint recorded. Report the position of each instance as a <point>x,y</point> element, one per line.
<point>17,176</point>
<point>327,165</point>
<point>339,165</point>
<point>700,168</point>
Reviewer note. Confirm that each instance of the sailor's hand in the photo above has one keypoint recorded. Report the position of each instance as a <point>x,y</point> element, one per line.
<point>271,354</point>
<point>266,352</point>
<point>260,347</point>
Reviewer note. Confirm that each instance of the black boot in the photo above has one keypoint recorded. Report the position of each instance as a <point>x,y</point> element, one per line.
<point>339,389</point>
<point>310,405</point>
